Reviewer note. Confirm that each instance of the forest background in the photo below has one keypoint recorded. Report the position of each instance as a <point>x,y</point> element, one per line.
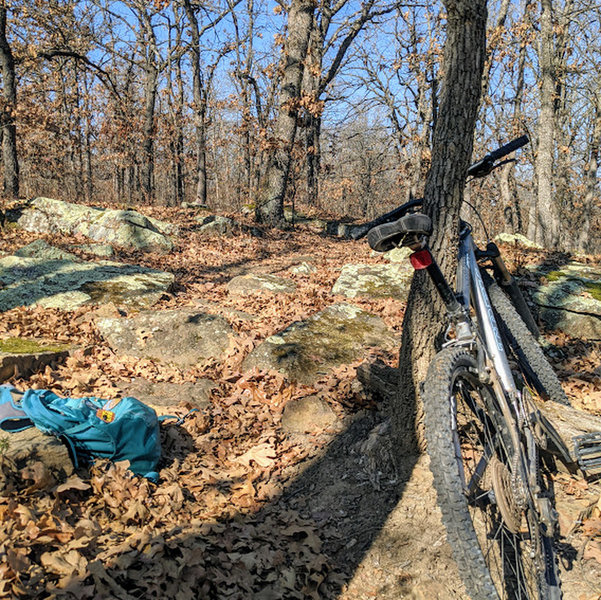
<point>163,102</point>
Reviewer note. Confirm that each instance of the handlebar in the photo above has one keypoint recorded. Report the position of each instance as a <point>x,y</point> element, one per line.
<point>485,166</point>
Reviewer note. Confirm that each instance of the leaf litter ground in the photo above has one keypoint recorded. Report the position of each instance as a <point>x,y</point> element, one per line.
<point>244,509</point>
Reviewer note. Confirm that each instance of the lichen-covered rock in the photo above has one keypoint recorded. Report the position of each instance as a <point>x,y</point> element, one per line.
<point>123,228</point>
<point>21,357</point>
<point>100,250</point>
<point>375,281</point>
<point>570,300</point>
<point>68,284</point>
<point>308,349</point>
<point>257,282</point>
<point>182,337</point>
<point>42,249</point>
<point>398,255</point>
<point>517,239</point>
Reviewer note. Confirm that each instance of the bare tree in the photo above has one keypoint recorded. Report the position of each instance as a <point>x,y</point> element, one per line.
<point>464,56</point>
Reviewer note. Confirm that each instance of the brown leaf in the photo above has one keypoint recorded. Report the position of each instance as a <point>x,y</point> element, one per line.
<point>263,454</point>
<point>73,483</point>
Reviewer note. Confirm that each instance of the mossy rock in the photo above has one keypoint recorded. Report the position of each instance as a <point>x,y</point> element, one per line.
<point>23,356</point>
<point>375,281</point>
<point>308,349</point>
<point>569,299</point>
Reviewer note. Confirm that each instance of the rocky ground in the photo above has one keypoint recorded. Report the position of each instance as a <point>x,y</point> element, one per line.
<point>284,483</point>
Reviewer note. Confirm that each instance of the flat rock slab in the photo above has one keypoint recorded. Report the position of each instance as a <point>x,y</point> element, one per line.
<point>180,337</point>
<point>69,283</point>
<point>164,394</point>
<point>22,357</point>
<point>375,281</point>
<point>308,349</point>
<point>251,283</point>
<point>123,228</point>
<point>570,300</point>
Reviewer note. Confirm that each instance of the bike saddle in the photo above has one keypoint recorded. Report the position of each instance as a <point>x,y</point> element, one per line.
<point>390,235</point>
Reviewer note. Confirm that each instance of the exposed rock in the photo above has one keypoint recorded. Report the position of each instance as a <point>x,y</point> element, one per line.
<point>375,281</point>
<point>68,284</point>
<point>517,239</point>
<point>215,225</point>
<point>308,349</point>
<point>42,249</point>
<point>100,250</point>
<point>303,269</point>
<point>398,255</point>
<point>570,300</point>
<point>124,228</point>
<point>181,337</point>
<point>22,357</point>
<point>311,414</point>
<point>40,459</point>
<point>164,394</point>
<point>253,282</point>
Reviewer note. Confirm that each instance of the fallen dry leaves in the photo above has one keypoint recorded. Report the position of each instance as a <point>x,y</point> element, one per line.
<point>214,526</point>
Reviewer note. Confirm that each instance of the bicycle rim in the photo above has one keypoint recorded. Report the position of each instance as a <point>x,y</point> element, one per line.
<point>507,530</point>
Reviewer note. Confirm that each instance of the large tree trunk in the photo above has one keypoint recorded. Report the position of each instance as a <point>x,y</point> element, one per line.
<point>270,205</point>
<point>464,55</point>
<point>543,224</point>
<point>7,118</point>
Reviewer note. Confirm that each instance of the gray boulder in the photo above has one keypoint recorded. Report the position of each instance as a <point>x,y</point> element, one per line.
<point>308,349</point>
<point>181,337</point>
<point>570,300</point>
<point>243,285</point>
<point>375,281</point>
<point>123,228</point>
<point>54,280</point>
<point>215,225</point>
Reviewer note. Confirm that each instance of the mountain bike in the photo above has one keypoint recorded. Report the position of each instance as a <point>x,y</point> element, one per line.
<point>490,447</point>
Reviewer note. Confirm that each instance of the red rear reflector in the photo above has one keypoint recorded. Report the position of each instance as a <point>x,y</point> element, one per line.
<point>421,259</point>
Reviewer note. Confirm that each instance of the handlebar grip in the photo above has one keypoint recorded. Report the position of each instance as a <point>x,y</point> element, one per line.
<point>508,148</point>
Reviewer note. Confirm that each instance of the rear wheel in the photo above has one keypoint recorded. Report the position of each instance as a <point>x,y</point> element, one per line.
<point>496,535</point>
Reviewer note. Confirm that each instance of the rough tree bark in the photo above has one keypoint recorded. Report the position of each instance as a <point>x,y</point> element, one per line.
<point>464,54</point>
<point>270,205</point>
<point>543,222</point>
<point>7,118</point>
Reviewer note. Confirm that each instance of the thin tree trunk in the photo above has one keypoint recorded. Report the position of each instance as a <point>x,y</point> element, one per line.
<point>543,226</point>
<point>270,205</point>
<point>7,118</point>
<point>583,239</point>
<point>464,56</point>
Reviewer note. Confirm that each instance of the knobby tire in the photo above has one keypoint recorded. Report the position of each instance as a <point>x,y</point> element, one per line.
<point>468,443</point>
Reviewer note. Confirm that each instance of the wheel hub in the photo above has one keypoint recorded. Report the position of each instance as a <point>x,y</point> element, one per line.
<point>505,497</point>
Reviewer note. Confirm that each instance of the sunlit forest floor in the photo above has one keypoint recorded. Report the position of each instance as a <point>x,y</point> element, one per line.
<point>244,509</point>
